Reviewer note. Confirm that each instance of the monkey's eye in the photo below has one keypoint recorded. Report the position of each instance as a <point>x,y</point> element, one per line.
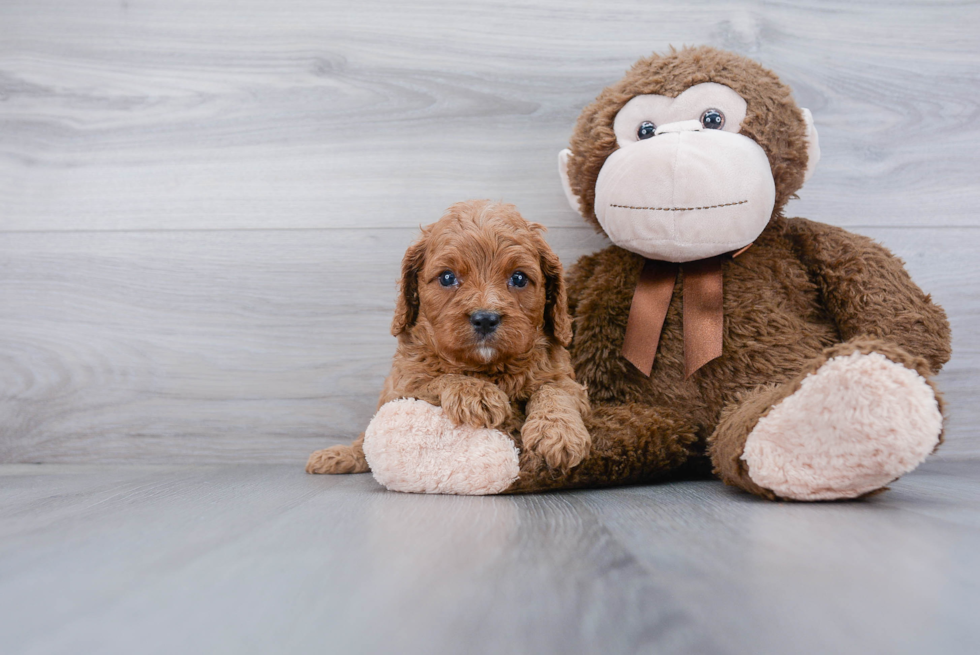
<point>447,279</point>
<point>518,279</point>
<point>712,119</point>
<point>645,130</point>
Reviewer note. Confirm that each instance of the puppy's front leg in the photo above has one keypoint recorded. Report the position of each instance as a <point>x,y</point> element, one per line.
<point>339,459</point>
<point>470,401</point>
<point>554,428</point>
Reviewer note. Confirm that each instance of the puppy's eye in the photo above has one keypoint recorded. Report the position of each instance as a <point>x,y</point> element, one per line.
<point>518,279</point>
<point>712,119</point>
<point>447,279</point>
<point>646,130</point>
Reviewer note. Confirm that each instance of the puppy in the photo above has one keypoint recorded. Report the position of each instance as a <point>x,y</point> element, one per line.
<point>482,325</point>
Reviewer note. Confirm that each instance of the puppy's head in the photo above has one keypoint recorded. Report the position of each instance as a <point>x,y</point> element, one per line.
<point>482,286</point>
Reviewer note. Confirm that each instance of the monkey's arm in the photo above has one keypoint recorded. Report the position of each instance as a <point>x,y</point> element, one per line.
<point>868,291</point>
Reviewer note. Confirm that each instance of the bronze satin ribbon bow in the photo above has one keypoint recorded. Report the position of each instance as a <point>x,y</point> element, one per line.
<point>703,312</point>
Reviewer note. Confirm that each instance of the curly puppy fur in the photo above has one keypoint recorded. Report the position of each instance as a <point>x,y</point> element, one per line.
<point>518,378</point>
<point>803,293</point>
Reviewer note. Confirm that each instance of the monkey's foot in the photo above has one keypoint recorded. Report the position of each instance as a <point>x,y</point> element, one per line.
<point>414,447</point>
<point>857,423</point>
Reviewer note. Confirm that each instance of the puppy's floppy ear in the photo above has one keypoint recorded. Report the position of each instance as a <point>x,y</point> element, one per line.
<point>407,305</point>
<point>557,322</point>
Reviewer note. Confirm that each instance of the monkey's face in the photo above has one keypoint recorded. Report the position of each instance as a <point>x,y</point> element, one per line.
<point>684,184</point>
<point>682,181</point>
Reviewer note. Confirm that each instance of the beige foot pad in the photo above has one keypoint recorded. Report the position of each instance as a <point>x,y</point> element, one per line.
<point>856,424</point>
<point>412,446</point>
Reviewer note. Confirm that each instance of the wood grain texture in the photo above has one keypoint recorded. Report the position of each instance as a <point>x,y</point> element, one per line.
<point>175,115</point>
<point>266,559</point>
<point>265,345</point>
<point>218,346</point>
<point>203,205</point>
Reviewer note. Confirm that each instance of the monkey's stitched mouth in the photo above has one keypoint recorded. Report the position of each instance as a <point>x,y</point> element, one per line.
<point>681,209</point>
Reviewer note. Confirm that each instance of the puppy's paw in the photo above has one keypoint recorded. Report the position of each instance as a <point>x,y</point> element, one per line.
<point>476,403</point>
<point>337,459</point>
<point>562,441</point>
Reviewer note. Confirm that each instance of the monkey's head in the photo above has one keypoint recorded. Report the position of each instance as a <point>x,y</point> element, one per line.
<point>688,156</point>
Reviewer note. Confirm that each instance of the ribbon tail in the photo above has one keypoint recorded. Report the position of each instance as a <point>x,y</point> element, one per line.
<point>703,313</point>
<point>651,298</point>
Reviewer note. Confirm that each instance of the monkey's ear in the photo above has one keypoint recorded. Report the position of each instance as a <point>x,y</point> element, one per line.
<point>563,158</point>
<point>557,322</point>
<point>407,305</point>
<point>812,144</point>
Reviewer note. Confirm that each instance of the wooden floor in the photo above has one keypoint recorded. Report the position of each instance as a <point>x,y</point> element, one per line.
<point>266,559</point>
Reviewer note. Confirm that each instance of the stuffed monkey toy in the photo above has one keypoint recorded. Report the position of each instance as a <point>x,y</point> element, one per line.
<point>789,358</point>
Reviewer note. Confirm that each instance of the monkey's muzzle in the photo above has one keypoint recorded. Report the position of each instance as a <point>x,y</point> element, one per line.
<point>686,193</point>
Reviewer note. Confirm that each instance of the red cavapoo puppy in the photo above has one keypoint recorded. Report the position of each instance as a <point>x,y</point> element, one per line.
<point>482,325</point>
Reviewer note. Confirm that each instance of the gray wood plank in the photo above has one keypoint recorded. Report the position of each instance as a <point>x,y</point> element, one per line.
<point>161,115</point>
<point>873,569</point>
<point>140,143</point>
<point>175,347</point>
<point>265,559</point>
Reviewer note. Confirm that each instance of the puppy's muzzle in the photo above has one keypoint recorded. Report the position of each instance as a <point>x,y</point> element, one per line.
<point>484,322</point>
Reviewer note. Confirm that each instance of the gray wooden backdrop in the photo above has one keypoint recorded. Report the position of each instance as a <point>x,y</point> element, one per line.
<point>203,205</point>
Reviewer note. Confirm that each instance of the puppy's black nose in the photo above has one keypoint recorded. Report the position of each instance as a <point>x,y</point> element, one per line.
<point>484,322</point>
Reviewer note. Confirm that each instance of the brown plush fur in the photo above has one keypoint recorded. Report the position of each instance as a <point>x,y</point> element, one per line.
<point>519,379</point>
<point>804,292</point>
